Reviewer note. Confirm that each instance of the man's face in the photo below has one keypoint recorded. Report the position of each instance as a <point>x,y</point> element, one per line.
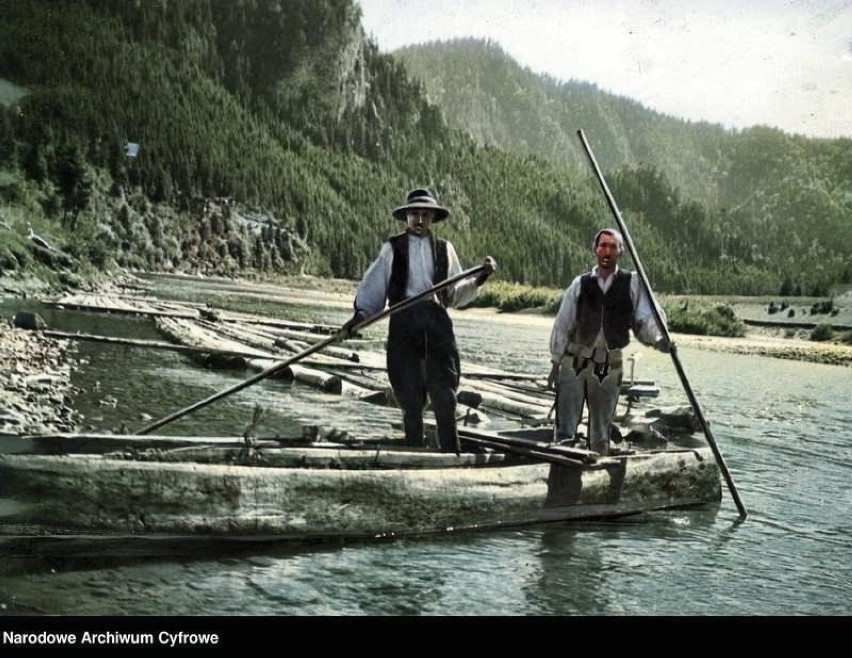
<point>419,221</point>
<point>607,251</point>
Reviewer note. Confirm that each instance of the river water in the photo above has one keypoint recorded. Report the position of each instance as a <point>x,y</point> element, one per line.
<point>782,426</point>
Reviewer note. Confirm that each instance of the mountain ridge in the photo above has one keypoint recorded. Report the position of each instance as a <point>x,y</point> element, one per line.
<point>274,137</point>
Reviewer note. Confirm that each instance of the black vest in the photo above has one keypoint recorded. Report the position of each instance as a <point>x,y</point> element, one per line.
<point>612,310</point>
<point>399,267</point>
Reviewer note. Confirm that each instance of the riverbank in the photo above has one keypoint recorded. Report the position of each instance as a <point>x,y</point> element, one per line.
<point>36,395</point>
<point>758,341</point>
<point>779,343</point>
<point>765,343</point>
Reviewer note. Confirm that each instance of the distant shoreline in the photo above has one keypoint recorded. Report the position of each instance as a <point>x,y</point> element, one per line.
<point>794,349</point>
<point>32,356</point>
<point>758,341</point>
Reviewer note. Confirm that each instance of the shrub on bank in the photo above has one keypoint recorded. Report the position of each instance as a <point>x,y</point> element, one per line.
<point>13,254</point>
<point>690,316</point>
<point>822,332</point>
<point>695,317</point>
<point>513,297</point>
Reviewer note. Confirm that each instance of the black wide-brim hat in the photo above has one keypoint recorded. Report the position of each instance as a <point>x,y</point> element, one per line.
<point>421,199</point>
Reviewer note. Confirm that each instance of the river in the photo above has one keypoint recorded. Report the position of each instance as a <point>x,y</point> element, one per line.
<point>782,427</point>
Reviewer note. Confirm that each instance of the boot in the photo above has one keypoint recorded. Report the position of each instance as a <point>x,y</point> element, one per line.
<point>413,423</point>
<point>448,437</point>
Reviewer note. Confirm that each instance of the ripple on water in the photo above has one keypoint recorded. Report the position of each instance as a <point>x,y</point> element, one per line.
<point>782,427</point>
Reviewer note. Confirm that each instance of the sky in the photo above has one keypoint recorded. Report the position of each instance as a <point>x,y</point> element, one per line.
<point>738,63</point>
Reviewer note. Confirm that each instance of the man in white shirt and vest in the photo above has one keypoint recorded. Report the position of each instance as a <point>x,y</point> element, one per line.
<point>422,356</point>
<point>592,327</point>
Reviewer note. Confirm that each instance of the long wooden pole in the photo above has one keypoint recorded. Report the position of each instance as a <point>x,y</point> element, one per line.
<point>663,329</point>
<point>316,347</point>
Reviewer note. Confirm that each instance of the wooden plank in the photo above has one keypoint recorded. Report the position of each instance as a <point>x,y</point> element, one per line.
<point>70,443</point>
<point>237,450</point>
<point>585,456</point>
<point>324,456</point>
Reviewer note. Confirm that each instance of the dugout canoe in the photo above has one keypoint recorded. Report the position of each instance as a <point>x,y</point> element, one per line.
<point>147,487</point>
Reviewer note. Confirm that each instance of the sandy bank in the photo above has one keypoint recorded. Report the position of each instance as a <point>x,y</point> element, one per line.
<point>773,346</point>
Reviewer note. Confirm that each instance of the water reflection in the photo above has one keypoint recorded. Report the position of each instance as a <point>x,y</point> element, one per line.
<point>782,427</point>
<point>570,579</point>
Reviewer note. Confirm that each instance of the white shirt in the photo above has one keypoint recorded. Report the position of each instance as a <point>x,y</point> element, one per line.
<point>373,289</point>
<point>644,323</point>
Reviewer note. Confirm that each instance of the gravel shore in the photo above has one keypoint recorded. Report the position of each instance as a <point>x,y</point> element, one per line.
<point>35,383</point>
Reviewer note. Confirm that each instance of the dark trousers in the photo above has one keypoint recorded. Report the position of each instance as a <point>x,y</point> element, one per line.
<point>423,359</point>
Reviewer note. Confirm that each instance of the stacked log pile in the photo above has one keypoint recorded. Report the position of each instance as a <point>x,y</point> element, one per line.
<point>227,339</point>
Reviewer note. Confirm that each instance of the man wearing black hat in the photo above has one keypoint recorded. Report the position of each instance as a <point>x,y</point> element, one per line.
<point>422,356</point>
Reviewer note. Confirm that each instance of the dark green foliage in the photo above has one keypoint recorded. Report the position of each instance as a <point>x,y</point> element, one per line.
<point>513,297</point>
<point>35,163</point>
<point>73,184</point>
<point>14,255</point>
<point>710,210</point>
<point>822,332</point>
<point>823,307</point>
<point>694,317</point>
<point>8,145</point>
<point>274,137</point>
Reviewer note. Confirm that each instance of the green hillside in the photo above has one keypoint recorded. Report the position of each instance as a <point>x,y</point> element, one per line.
<point>274,137</point>
<point>484,92</point>
<point>756,198</point>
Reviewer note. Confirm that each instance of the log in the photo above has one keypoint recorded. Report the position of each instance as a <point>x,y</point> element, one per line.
<point>324,329</point>
<point>324,456</point>
<point>69,443</point>
<point>477,398</point>
<point>95,304</point>
<point>191,333</point>
<point>119,498</point>
<point>317,378</point>
<point>328,354</point>
<point>481,372</point>
<point>364,381</point>
<point>543,398</point>
<point>187,311</point>
<point>303,336</point>
<point>240,335</point>
<point>137,342</point>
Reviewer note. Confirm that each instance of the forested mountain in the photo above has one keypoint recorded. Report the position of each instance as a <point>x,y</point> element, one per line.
<point>485,92</point>
<point>756,196</point>
<point>273,136</point>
